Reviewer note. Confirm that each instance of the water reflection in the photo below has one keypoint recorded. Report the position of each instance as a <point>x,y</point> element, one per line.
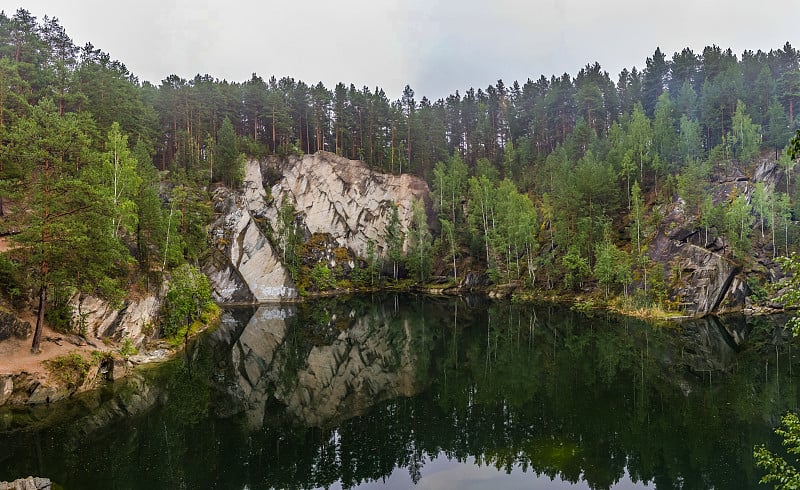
<point>342,393</point>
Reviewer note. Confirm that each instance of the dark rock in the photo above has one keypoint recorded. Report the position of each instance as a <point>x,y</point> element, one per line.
<point>11,326</point>
<point>683,233</point>
<point>474,280</point>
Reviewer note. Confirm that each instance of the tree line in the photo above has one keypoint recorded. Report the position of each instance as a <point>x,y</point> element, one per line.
<point>534,180</point>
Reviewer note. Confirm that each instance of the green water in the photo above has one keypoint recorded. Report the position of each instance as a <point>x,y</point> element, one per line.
<point>400,392</point>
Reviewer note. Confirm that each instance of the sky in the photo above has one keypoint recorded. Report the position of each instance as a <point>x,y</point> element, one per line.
<point>435,46</point>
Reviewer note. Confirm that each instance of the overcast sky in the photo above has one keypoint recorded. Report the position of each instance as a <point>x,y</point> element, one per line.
<point>436,46</point>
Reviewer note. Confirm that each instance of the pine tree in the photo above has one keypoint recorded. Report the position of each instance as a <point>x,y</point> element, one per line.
<point>229,164</point>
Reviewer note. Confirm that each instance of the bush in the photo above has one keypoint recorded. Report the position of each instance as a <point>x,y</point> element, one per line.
<point>188,295</point>
<point>70,370</point>
<point>321,277</point>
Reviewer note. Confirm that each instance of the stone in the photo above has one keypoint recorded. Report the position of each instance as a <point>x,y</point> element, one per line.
<point>30,483</point>
<point>474,280</point>
<point>47,394</point>
<point>244,266</point>
<point>134,320</point>
<point>11,326</point>
<point>6,388</point>
<point>705,277</point>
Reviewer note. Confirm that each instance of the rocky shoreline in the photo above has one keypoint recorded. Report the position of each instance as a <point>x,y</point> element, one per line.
<point>29,483</point>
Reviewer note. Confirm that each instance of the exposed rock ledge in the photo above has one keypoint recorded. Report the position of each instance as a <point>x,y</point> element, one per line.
<point>30,483</point>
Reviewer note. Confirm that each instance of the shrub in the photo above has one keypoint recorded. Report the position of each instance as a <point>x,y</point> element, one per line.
<point>70,370</point>
<point>188,295</point>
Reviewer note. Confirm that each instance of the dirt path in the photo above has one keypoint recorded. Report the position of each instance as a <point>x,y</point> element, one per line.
<point>16,356</point>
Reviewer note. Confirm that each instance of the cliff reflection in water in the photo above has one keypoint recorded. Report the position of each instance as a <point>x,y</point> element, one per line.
<point>344,392</point>
<point>323,364</point>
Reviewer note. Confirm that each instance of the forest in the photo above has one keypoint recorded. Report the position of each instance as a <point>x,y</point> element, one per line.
<point>553,183</point>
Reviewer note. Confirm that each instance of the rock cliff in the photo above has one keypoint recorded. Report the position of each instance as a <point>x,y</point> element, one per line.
<point>331,195</point>
<point>30,483</point>
<point>345,198</point>
<point>244,267</point>
<point>701,274</point>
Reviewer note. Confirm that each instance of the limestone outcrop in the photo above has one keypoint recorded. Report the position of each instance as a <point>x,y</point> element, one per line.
<point>331,195</point>
<point>345,198</point>
<point>30,483</point>
<point>136,319</point>
<point>244,266</point>
<point>700,275</point>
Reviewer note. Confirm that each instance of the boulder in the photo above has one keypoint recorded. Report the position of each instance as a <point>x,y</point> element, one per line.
<point>11,326</point>
<point>99,319</point>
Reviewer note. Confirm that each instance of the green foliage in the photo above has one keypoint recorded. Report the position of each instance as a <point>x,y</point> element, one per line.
<point>120,180</point>
<point>228,163</point>
<point>59,314</point>
<point>9,274</point>
<point>449,187</point>
<point>612,266</point>
<point>577,268</point>
<point>783,474</point>
<point>777,131</point>
<point>127,349</point>
<point>794,146</point>
<point>321,278</point>
<point>738,224</point>
<point>395,238</point>
<point>746,137</point>
<point>188,295</point>
<point>690,144</point>
<point>690,186</point>
<point>419,243</point>
<point>288,237</point>
<point>665,136</point>
<point>69,370</point>
<point>791,286</point>
<point>188,216</point>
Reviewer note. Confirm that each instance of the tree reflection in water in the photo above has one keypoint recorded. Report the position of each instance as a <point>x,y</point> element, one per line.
<point>343,392</point>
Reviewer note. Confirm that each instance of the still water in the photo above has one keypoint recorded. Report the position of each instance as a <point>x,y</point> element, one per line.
<point>413,392</point>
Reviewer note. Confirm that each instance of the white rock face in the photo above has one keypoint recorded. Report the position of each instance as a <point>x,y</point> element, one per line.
<point>135,319</point>
<point>331,195</point>
<point>248,269</point>
<point>345,198</point>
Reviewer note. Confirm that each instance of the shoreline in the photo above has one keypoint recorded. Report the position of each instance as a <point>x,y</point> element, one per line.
<point>25,379</point>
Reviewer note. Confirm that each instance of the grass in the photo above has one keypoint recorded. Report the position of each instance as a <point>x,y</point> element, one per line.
<point>69,370</point>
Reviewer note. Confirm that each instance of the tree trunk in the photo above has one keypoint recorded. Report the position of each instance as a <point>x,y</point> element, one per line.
<point>37,334</point>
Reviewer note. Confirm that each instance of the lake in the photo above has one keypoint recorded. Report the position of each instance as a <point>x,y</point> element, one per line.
<point>409,391</point>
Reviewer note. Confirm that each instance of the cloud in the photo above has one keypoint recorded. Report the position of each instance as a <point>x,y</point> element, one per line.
<point>436,46</point>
